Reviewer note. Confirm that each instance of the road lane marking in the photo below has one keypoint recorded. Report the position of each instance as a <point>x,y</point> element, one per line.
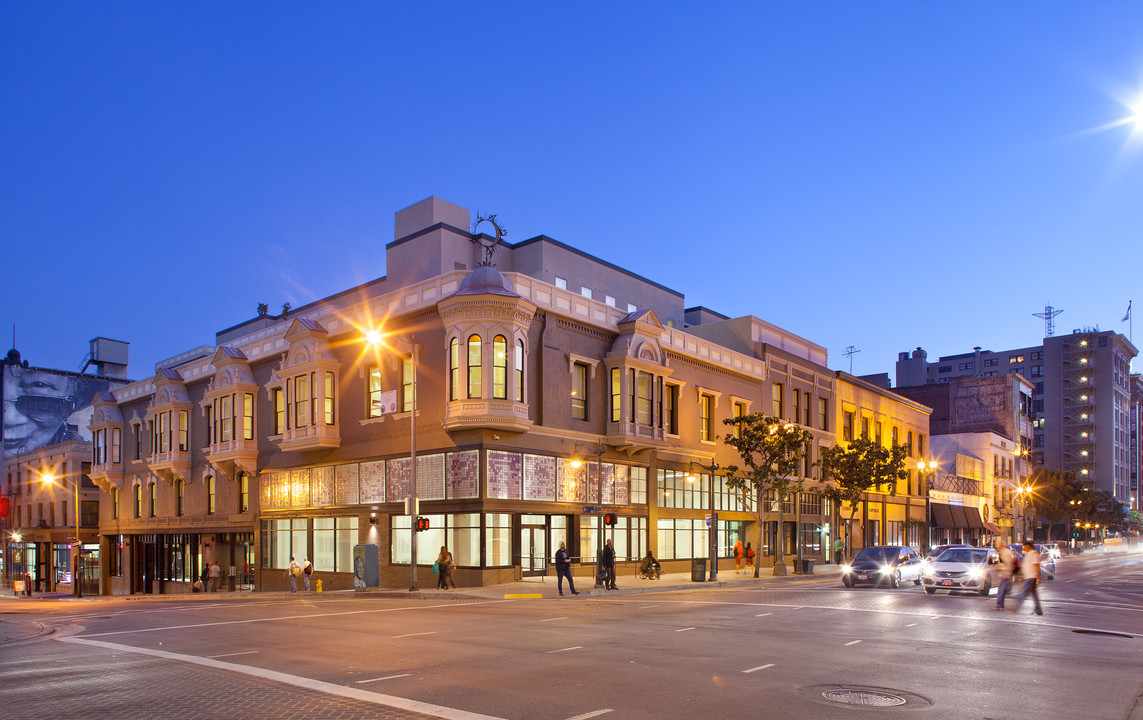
<point>910,624</point>
<point>648,606</point>
<point>684,629</point>
<point>852,642</point>
<point>935,617</point>
<point>289,617</point>
<point>763,614</point>
<point>760,667</point>
<point>248,652</point>
<point>576,647</point>
<point>294,680</point>
<point>430,632</point>
<point>565,617</point>
<point>387,677</point>
<point>595,713</point>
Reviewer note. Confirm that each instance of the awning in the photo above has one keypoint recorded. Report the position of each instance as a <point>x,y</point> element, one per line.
<point>960,519</point>
<point>973,515</point>
<point>941,516</point>
<point>992,529</point>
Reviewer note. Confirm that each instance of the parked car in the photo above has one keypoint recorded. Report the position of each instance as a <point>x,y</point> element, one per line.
<point>962,568</point>
<point>933,553</point>
<point>892,564</point>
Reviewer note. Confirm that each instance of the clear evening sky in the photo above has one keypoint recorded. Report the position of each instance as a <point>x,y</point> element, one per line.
<point>878,174</point>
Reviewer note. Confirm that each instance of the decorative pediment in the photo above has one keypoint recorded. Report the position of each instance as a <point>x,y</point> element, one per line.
<point>640,336</point>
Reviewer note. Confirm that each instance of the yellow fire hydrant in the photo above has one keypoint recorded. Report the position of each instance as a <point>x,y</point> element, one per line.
<point>317,585</point>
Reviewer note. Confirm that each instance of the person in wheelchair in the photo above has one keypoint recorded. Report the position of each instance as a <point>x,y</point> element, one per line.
<point>649,569</point>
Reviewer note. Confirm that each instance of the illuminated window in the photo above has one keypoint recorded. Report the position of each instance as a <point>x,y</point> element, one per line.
<point>180,495</point>
<point>499,367</point>
<point>243,492</point>
<point>616,395</point>
<point>279,411</point>
<point>475,371</point>
<point>519,371</point>
<point>248,416</point>
<point>454,369</point>
<point>327,407</point>
<point>210,496</point>
<point>706,418</point>
<point>579,391</point>
<point>776,399</point>
<point>407,388</point>
<point>301,401</point>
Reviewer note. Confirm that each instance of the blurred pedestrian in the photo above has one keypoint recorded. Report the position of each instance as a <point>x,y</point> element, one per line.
<point>563,569</point>
<point>1030,567</point>
<point>444,564</point>
<point>1006,568</point>
<point>307,570</point>
<point>839,551</point>
<point>215,571</point>
<point>738,556</point>
<point>748,554</point>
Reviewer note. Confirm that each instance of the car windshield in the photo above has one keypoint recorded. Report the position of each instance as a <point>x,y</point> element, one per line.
<point>880,554</point>
<point>963,555</point>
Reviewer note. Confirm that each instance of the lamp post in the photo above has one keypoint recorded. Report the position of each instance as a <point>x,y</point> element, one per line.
<point>712,533</point>
<point>49,478</point>
<point>927,469</point>
<point>577,463</point>
<point>377,339</point>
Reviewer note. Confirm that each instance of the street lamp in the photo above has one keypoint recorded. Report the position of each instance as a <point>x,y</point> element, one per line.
<point>712,533</point>
<point>49,478</point>
<point>376,339</point>
<point>576,463</point>
<point>930,469</point>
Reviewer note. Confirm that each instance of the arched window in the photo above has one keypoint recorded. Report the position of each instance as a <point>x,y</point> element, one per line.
<point>519,371</point>
<point>454,369</point>
<point>475,371</point>
<point>499,367</point>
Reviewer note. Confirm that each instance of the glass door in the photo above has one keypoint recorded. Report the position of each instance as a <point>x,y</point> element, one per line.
<point>533,545</point>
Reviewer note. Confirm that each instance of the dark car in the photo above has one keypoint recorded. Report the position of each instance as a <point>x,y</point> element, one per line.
<point>889,564</point>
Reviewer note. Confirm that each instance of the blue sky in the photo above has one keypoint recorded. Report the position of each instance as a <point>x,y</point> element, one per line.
<point>878,174</point>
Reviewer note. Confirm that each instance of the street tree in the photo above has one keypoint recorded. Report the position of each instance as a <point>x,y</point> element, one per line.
<point>771,451</point>
<point>1057,496</point>
<point>853,469</point>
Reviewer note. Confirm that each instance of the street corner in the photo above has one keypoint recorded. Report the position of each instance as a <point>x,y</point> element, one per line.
<point>12,631</point>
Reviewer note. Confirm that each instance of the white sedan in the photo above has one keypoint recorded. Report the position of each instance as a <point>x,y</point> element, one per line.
<point>962,568</point>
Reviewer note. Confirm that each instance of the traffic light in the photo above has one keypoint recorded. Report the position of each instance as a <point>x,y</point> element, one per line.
<point>610,518</point>
<point>422,523</point>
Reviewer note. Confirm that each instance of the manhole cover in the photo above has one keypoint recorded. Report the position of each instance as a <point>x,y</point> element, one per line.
<point>864,697</point>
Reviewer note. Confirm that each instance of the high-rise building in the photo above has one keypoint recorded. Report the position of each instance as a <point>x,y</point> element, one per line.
<point>1080,403</point>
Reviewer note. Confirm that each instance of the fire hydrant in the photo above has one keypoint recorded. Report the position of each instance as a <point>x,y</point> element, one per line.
<point>317,585</point>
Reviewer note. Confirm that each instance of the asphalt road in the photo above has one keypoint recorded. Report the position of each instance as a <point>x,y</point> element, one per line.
<point>770,650</point>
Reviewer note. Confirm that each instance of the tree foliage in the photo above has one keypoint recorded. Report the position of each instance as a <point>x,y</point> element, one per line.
<point>855,468</point>
<point>771,450</point>
<point>1055,496</point>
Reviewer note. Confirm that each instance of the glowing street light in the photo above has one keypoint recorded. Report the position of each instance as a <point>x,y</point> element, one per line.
<point>49,478</point>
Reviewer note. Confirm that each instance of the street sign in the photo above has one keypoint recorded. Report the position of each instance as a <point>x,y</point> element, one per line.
<point>708,520</point>
<point>589,509</point>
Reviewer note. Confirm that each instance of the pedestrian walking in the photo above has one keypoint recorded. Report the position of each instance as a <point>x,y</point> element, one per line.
<point>444,564</point>
<point>839,551</point>
<point>215,571</point>
<point>609,565</point>
<point>1030,567</point>
<point>1006,569</point>
<point>204,576</point>
<point>748,556</point>
<point>295,570</point>
<point>563,570</point>
<point>738,557</point>
<point>307,570</point>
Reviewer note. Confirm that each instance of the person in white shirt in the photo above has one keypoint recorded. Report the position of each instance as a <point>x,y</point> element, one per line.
<point>307,570</point>
<point>1030,568</point>
<point>295,570</point>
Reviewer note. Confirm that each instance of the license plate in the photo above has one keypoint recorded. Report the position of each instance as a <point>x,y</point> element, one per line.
<point>862,576</point>
<point>946,582</point>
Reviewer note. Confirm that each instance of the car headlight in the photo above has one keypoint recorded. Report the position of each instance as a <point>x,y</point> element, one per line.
<point>886,569</point>
<point>846,569</point>
<point>976,573</point>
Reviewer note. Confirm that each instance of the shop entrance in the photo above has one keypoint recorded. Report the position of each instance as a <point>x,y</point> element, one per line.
<point>533,545</point>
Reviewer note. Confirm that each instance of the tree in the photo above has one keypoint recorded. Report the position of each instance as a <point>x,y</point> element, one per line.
<point>771,450</point>
<point>853,469</point>
<point>1057,496</point>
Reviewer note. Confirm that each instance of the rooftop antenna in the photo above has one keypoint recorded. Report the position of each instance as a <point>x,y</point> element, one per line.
<point>1049,316</point>
<point>851,351</point>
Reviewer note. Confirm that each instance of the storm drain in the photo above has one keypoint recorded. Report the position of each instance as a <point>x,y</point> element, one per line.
<point>1105,633</point>
<point>869,698</point>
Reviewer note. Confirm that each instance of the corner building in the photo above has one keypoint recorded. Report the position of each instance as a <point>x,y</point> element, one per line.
<point>517,401</point>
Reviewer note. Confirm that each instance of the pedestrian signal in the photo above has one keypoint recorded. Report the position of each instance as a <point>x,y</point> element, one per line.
<point>422,523</point>
<point>610,519</point>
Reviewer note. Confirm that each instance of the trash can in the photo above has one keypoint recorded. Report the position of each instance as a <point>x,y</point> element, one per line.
<point>807,566</point>
<point>698,570</point>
